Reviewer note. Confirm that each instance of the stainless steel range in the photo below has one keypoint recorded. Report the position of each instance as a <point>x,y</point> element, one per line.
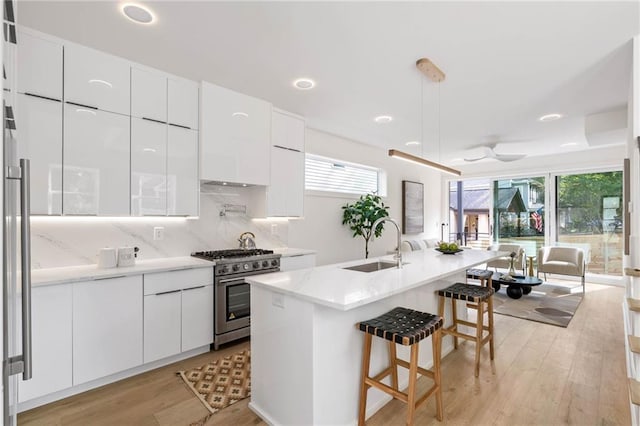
<point>231,295</point>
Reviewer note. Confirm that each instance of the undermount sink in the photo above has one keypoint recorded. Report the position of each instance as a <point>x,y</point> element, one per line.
<point>372,266</point>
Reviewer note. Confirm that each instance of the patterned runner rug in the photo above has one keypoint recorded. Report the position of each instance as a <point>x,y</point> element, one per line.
<point>222,382</point>
<point>547,303</point>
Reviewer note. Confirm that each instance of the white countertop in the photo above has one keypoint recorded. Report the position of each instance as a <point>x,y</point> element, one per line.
<point>69,274</point>
<point>342,289</point>
<point>291,252</point>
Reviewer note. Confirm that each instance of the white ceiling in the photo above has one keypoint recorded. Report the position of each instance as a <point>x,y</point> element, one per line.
<point>507,63</point>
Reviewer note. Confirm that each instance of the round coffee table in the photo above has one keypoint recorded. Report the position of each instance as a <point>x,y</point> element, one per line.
<point>517,286</point>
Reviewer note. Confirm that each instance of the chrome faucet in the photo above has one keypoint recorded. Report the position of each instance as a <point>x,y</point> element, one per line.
<point>398,255</point>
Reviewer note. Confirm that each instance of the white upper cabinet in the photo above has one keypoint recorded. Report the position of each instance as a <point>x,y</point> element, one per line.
<point>235,133</point>
<point>96,162</point>
<point>183,102</point>
<point>183,186</point>
<point>148,94</point>
<point>285,194</point>
<point>148,168</point>
<point>287,130</point>
<point>39,66</point>
<point>39,133</point>
<point>96,79</point>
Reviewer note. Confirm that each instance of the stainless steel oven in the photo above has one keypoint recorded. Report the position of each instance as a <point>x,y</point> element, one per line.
<point>232,294</point>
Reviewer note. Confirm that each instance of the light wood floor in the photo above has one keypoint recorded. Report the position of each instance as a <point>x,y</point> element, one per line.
<point>542,375</point>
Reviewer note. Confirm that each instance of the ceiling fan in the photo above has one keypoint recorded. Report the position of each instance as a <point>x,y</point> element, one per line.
<point>490,152</point>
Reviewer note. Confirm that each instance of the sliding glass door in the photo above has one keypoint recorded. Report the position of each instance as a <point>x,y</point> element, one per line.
<point>589,215</point>
<point>518,212</point>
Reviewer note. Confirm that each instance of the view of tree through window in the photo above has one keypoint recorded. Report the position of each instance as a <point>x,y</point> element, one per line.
<point>589,214</point>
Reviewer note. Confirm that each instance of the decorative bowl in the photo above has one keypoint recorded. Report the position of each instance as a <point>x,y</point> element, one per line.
<point>448,251</point>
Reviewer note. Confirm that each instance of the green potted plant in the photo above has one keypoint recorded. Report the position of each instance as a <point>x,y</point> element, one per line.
<point>359,217</point>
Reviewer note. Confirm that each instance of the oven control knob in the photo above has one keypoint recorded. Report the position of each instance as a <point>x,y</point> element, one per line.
<point>274,262</point>
<point>224,270</point>
<point>245,266</point>
<point>236,267</point>
<point>256,265</point>
<point>265,263</point>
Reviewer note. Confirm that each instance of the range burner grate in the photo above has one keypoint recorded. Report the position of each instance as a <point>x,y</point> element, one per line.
<point>230,254</point>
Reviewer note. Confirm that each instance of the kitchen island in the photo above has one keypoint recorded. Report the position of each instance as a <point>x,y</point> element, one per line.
<point>306,350</point>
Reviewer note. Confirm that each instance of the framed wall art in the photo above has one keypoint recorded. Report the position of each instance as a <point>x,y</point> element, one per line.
<point>412,207</point>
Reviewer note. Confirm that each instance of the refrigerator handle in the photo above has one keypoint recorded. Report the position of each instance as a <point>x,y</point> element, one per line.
<point>25,246</point>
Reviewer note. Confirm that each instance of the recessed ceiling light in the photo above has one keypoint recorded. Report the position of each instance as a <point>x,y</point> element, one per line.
<point>383,119</point>
<point>551,117</point>
<point>412,143</point>
<point>137,13</point>
<point>570,144</point>
<point>224,183</point>
<point>240,114</point>
<point>304,84</point>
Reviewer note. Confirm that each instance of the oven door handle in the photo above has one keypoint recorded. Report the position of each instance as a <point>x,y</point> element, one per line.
<point>237,280</point>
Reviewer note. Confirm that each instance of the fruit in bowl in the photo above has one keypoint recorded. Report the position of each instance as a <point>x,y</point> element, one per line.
<point>449,247</point>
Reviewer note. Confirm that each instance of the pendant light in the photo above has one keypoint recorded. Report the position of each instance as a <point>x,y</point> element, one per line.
<point>432,72</point>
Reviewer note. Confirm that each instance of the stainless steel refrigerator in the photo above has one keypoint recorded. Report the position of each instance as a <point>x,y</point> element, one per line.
<point>16,294</point>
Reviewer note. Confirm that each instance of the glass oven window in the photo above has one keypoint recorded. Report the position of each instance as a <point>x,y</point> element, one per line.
<point>238,301</point>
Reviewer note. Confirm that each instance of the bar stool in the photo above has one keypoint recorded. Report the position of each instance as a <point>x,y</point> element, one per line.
<point>405,327</point>
<point>482,275</point>
<point>479,296</point>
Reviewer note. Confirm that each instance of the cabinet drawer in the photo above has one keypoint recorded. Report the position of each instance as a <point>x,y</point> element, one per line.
<point>177,280</point>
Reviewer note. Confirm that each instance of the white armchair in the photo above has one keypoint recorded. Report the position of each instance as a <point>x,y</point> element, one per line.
<point>562,261</point>
<point>505,261</point>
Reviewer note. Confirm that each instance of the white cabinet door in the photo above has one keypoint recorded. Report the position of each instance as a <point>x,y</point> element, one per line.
<point>39,132</point>
<point>162,325</point>
<point>287,131</point>
<point>148,94</point>
<point>39,66</point>
<point>183,186</point>
<point>96,79</point>
<point>148,168</point>
<point>303,261</point>
<point>235,133</point>
<point>107,327</point>
<point>197,317</point>
<point>52,342</point>
<point>183,102</point>
<point>285,194</point>
<point>96,162</point>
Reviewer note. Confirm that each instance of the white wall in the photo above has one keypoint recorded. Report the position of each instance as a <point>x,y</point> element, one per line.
<point>322,229</point>
<point>67,241</point>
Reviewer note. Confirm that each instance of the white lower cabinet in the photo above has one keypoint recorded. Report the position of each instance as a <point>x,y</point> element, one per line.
<point>162,319</point>
<point>51,337</point>
<point>107,327</point>
<point>178,312</point>
<point>197,317</point>
<point>301,261</point>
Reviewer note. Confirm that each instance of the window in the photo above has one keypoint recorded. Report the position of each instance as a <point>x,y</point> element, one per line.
<point>327,174</point>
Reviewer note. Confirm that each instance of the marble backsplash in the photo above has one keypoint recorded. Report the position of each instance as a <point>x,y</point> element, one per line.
<point>69,241</point>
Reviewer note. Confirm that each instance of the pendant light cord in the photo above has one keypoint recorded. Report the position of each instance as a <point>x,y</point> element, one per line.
<point>422,116</point>
<point>439,144</point>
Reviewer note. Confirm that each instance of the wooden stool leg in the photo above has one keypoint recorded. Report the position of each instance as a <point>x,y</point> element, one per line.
<point>411,390</point>
<point>454,315</point>
<point>479,333</point>
<point>394,365</point>
<point>366,359</point>
<point>490,315</point>
<point>437,342</point>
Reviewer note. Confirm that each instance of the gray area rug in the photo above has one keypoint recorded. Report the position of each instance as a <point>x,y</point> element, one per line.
<point>547,303</point>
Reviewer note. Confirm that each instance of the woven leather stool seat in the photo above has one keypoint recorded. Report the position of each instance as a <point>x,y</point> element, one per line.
<point>479,274</point>
<point>468,292</point>
<point>403,326</point>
